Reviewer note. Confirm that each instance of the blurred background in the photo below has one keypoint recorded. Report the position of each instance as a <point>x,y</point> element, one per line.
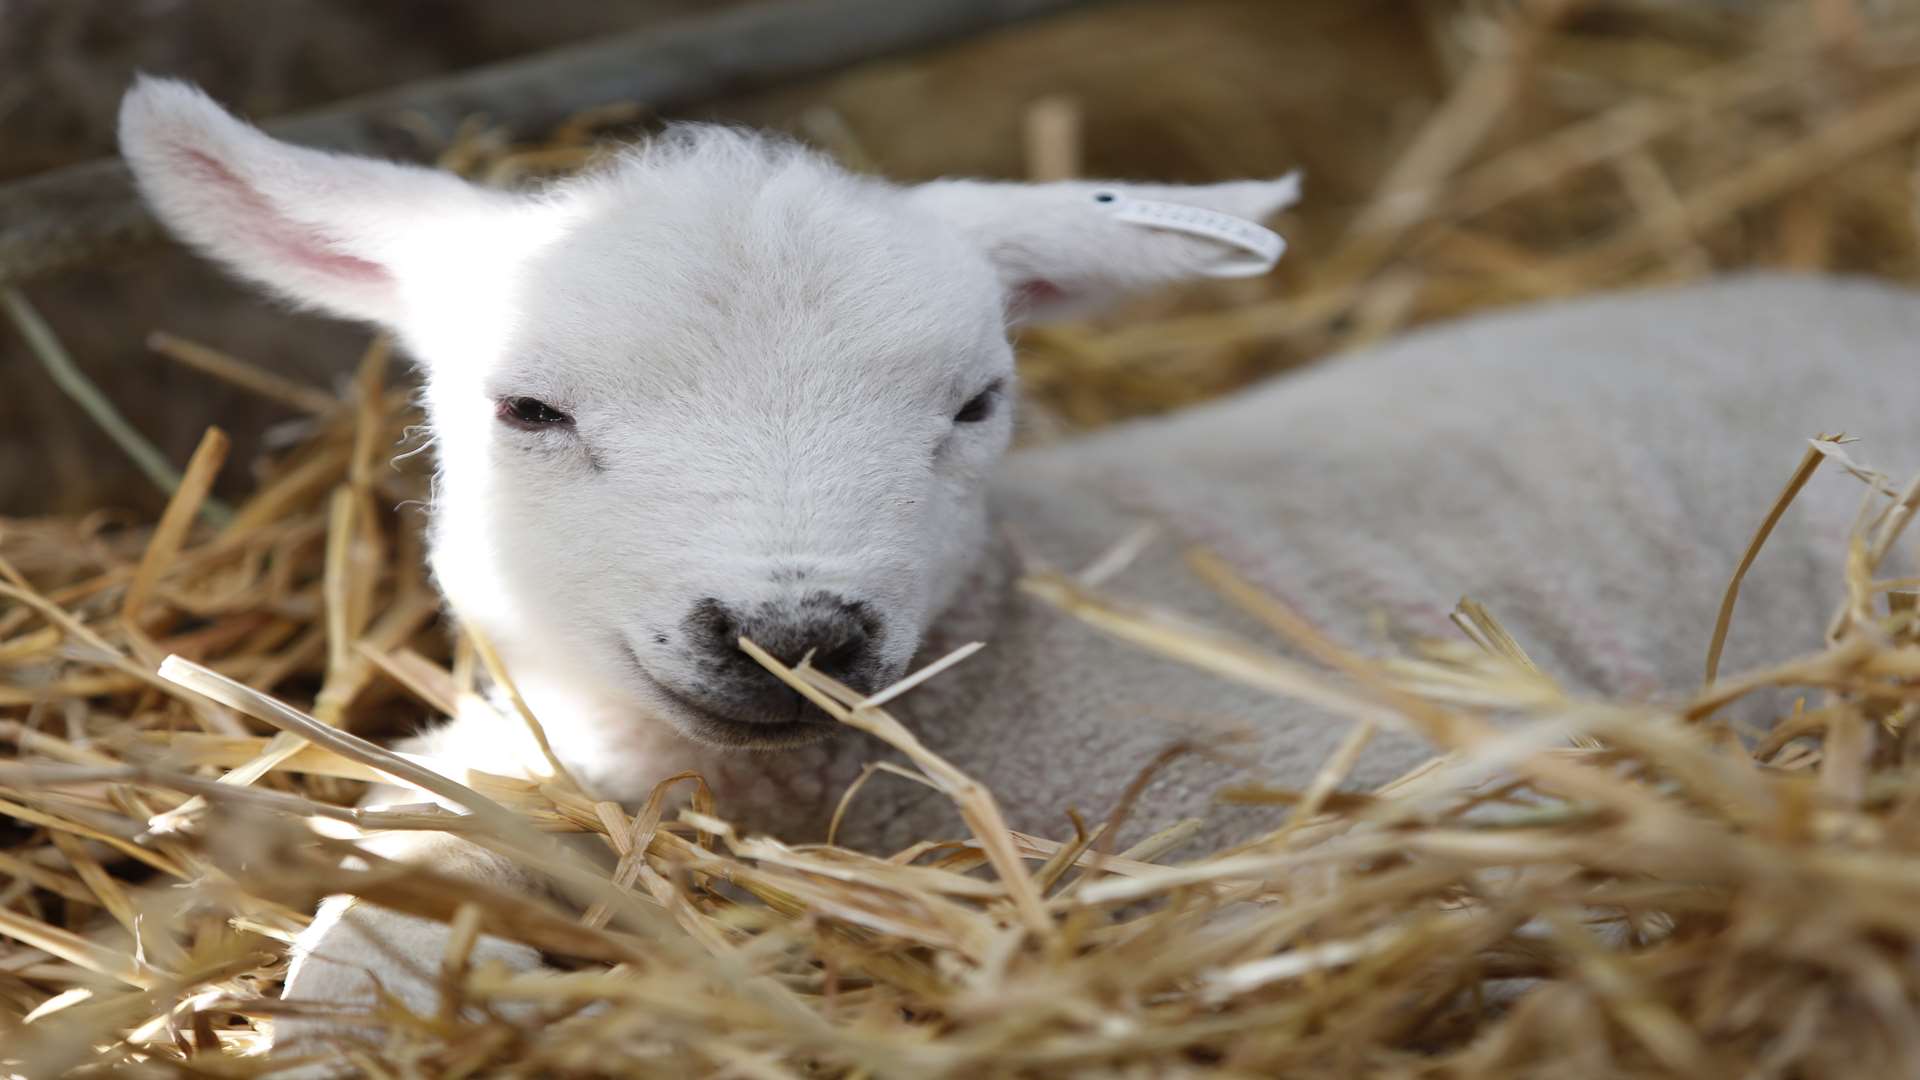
<point>1459,154</point>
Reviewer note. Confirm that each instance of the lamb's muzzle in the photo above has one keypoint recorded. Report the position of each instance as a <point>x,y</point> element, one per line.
<point>740,703</point>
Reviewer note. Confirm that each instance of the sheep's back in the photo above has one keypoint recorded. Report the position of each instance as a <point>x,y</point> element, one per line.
<point>1590,471</point>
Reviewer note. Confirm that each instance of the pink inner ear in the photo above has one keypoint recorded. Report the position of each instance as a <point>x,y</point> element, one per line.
<point>1033,295</point>
<point>269,228</point>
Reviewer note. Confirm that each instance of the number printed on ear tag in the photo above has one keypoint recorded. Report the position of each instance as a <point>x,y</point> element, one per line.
<point>1259,247</point>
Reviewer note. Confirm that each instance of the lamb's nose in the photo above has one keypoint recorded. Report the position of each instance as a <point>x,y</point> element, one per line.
<point>842,636</point>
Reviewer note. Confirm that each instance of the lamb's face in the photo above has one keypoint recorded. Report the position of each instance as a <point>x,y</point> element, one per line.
<point>763,409</point>
<point>723,389</point>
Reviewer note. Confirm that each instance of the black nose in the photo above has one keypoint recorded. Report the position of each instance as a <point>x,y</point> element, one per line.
<point>842,636</point>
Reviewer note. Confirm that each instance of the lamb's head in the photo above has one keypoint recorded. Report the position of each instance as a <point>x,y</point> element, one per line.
<point>720,388</point>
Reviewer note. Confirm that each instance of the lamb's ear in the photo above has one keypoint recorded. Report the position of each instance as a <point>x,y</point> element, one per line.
<point>327,230</point>
<point>1071,247</point>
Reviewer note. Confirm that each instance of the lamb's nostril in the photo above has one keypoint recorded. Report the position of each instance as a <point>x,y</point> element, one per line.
<point>714,625</point>
<point>844,658</point>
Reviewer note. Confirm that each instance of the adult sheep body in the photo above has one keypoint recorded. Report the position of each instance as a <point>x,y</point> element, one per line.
<point>725,389</point>
<point>1589,471</point>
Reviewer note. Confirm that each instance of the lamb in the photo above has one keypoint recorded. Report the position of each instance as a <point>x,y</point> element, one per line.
<point>724,389</point>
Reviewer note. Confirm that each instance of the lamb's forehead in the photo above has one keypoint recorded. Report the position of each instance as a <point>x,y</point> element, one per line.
<point>722,245</point>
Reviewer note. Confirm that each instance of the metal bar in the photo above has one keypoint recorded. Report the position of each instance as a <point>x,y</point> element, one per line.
<point>80,213</point>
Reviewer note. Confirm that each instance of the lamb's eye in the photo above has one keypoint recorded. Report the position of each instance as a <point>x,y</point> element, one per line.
<point>980,406</point>
<point>531,413</point>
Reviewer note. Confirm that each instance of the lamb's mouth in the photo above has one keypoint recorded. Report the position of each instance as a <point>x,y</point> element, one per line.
<point>799,723</point>
<point>699,722</point>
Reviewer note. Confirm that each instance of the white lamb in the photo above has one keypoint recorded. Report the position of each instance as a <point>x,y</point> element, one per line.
<point>725,388</point>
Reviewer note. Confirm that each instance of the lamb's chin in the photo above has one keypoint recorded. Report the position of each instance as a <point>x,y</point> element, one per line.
<point>700,723</point>
<point>711,729</point>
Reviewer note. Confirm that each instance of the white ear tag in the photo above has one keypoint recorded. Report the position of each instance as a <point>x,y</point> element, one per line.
<point>1258,247</point>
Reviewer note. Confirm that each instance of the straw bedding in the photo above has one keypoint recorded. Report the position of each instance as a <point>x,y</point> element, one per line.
<point>1652,893</point>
